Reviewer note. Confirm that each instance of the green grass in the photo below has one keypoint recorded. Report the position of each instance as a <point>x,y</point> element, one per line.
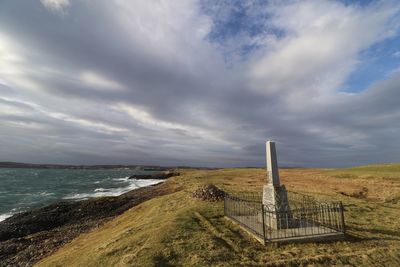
<point>389,170</point>
<point>177,230</point>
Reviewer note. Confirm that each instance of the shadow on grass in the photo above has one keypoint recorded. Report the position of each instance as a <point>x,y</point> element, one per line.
<point>394,235</point>
<point>163,260</point>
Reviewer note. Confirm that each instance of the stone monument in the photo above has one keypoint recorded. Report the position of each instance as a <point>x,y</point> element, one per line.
<point>275,197</point>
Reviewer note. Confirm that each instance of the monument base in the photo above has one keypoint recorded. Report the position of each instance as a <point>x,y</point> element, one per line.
<point>277,214</point>
<point>275,196</point>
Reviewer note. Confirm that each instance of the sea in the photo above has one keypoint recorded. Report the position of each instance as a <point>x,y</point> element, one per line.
<point>24,189</point>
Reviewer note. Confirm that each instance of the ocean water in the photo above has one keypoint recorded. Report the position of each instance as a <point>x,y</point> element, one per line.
<point>24,189</point>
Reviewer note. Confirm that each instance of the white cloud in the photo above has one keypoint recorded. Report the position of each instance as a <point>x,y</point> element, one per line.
<point>15,68</point>
<point>172,31</point>
<point>56,5</point>
<point>320,47</point>
<point>10,59</point>
<point>98,126</point>
<point>146,119</point>
<point>97,81</point>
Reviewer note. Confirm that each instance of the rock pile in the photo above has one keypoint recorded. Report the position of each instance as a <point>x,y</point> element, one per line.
<point>161,175</point>
<point>209,192</point>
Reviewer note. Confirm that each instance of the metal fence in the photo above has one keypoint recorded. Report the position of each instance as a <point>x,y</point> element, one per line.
<point>303,217</point>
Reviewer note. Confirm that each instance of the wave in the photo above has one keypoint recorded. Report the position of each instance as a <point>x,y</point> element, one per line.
<point>46,193</point>
<point>5,216</point>
<point>125,179</point>
<point>104,192</point>
<point>101,190</point>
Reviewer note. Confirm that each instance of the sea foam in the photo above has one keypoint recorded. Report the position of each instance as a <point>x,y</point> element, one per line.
<point>5,216</point>
<point>104,192</point>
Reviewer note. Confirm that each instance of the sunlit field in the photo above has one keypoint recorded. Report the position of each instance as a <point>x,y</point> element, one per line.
<point>176,229</point>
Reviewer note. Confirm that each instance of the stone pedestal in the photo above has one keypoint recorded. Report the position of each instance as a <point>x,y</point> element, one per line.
<point>275,196</point>
<point>276,207</point>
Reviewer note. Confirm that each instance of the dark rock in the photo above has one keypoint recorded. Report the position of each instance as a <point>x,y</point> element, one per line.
<point>161,175</point>
<point>209,192</point>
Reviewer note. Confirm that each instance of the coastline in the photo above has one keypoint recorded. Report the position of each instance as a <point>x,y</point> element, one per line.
<point>27,237</point>
<point>33,188</point>
<point>130,184</point>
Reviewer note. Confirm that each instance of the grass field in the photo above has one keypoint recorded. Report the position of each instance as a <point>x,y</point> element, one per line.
<point>177,230</point>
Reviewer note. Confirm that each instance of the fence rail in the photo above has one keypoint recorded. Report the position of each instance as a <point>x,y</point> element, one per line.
<point>303,217</point>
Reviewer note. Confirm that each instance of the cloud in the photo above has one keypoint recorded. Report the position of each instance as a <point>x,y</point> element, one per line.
<point>97,81</point>
<point>56,5</point>
<point>194,82</point>
<point>320,47</point>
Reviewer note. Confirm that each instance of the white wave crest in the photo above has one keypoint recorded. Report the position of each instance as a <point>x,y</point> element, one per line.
<point>102,192</point>
<point>5,216</point>
<point>125,179</point>
<point>46,193</point>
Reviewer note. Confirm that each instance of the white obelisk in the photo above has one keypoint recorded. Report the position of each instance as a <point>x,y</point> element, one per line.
<point>274,194</point>
<point>272,164</point>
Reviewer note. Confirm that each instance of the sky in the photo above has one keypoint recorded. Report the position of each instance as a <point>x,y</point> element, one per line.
<point>200,82</point>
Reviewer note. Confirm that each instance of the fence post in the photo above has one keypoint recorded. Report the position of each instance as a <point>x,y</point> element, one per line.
<point>342,217</point>
<point>225,205</point>
<point>263,222</point>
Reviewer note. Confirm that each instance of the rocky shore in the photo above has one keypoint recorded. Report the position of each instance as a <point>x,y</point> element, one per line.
<point>30,236</point>
<point>159,175</point>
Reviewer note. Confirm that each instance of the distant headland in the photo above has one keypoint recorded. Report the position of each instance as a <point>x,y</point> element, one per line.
<point>9,164</point>
<point>79,167</point>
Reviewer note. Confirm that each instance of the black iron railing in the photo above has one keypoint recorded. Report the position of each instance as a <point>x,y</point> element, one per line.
<point>303,217</point>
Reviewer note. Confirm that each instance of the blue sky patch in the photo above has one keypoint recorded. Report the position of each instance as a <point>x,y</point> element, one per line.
<point>375,63</point>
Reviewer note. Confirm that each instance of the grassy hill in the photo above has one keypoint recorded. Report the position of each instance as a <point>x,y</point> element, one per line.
<point>177,230</point>
<point>389,170</point>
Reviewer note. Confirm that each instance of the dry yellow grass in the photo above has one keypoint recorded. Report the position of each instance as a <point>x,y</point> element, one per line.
<point>177,230</point>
